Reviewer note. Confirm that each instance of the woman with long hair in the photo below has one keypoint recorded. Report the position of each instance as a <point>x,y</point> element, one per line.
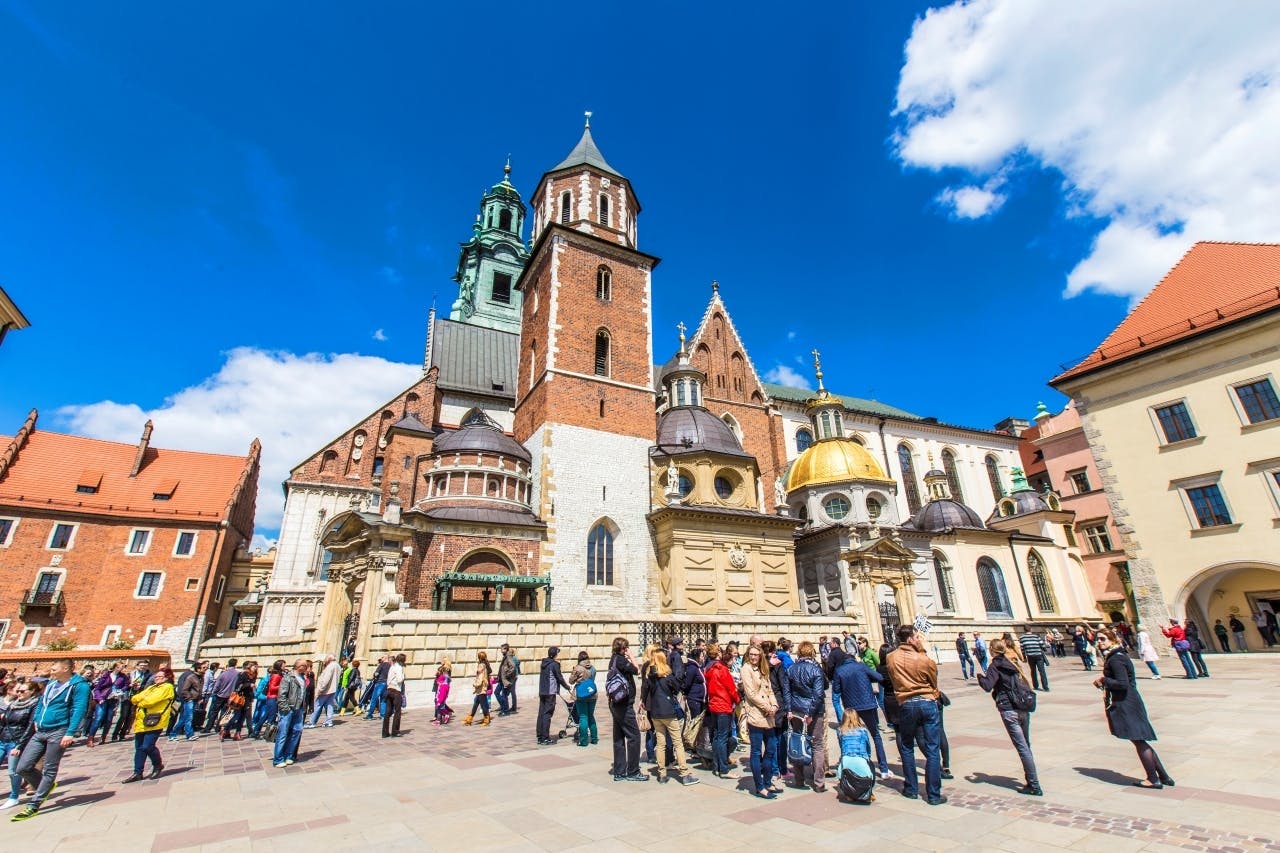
<point>583,682</point>
<point>1126,713</point>
<point>1004,679</point>
<point>658,692</point>
<point>782,695</point>
<point>151,717</point>
<point>242,706</point>
<point>722,697</point>
<point>626,731</point>
<point>760,709</point>
<point>481,686</point>
<point>16,709</point>
<point>1012,648</point>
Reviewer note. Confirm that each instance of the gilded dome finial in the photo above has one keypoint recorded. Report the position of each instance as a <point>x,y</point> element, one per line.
<point>681,327</point>
<point>506,170</point>
<point>817,367</point>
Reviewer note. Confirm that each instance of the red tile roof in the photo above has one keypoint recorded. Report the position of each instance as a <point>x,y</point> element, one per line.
<point>48,466</point>
<point>1214,284</point>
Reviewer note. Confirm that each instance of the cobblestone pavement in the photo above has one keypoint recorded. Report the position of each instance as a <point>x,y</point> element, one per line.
<point>492,788</point>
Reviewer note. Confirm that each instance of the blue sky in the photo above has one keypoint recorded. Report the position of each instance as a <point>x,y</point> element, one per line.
<point>233,218</point>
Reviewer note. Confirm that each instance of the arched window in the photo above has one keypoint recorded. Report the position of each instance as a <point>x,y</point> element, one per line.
<point>733,425</point>
<point>824,425</point>
<point>993,474</point>
<point>995,598</point>
<point>566,203</point>
<point>909,478</point>
<point>602,353</point>
<point>604,209</point>
<point>804,438</point>
<point>946,589</point>
<point>874,508</point>
<point>504,220</point>
<point>1045,599</point>
<point>327,462</point>
<point>953,476</point>
<point>600,555</point>
<point>604,283</point>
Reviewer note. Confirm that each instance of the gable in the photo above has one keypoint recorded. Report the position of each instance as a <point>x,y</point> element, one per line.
<point>718,351</point>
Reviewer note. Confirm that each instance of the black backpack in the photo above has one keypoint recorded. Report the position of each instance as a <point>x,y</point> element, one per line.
<point>1021,694</point>
<point>855,788</point>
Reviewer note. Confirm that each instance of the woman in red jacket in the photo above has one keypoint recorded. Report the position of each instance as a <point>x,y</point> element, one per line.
<point>722,698</point>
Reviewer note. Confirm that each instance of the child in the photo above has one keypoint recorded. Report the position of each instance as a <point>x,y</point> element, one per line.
<point>856,777</point>
<point>443,677</point>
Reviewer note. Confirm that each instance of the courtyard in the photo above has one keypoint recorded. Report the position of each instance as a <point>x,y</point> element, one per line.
<point>460,788</point>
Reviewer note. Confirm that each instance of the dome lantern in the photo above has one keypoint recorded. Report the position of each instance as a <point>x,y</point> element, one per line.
<point>681,379</point>
<point>825,411</point>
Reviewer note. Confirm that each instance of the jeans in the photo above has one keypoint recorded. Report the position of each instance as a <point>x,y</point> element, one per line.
<point>982,658</point>
<point>721,727</point>
<point>144,747</point>
<point>1039,672</point>
<point>918,721</point>
<point>626,739</point>
<point>586,707</point>
<point>837,706</point>
<point>764,750</point>
<point>183,726</point>
<point>480,703</point>
<point>871,719</point>
<point>375,700</point>
<point>546,707</point>
<point>391,716</point>
<point>1197,658</point>
<point>215,711</point>
<point>966,666</point>
<point>266,710</point>
<point>1018,725</point>
<point>47,743</point>
<point>11,762</point>
<point>326,702</point>
<point>1185,658</point>
<point>669,729</point>
<point>103,713</point>
<point>501,694</point>
<point>1226,645</point>
<point>1086,660</point>
<point>288,736</point>
<point>1151,665</point>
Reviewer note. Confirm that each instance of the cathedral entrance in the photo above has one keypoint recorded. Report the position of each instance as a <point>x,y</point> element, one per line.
<point>884,587</point>
<point>889,622</point>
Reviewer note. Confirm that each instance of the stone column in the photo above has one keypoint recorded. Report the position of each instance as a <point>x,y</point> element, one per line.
<point>497,604</point>
<point>337,607</point>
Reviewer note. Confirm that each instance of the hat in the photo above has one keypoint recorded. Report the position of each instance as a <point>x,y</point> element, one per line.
<point>553,651</point>
<point>677,641</point>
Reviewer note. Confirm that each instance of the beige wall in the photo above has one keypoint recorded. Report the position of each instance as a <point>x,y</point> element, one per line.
<point>1169,555</point>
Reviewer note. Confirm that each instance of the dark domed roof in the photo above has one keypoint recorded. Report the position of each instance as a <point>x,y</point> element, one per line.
<point>480,434</point>
<point>1025,501</point>
<point>673,365</point>
<point>939,515</point>
<point>703,430</point>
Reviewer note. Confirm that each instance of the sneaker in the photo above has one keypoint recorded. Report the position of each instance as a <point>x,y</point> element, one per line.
<point>688,780</point>
<point>26,814</point>
<point>1155,678</point>
<point>288,761</point>
<point>635,777</point>
<point>946,773</point>
<point>328,725</point>
<point>278,764</point>
<point>9,803</point>
<point>1031,790</point>
<point>888,774</point>
<point>193,737</point>
<point>940,801</point>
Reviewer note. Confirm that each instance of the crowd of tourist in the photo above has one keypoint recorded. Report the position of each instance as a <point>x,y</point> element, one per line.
<point>670,706</point>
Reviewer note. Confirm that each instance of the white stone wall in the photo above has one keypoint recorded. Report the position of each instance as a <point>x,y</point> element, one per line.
<point>454,405</point>
<point>589,476</point>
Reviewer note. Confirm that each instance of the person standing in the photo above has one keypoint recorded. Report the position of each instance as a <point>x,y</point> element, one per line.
<point>480,687</point>
<point>59,718</point>
<point>508,672</point>
<point>395,697</point>
<point>915,683</point>
<point>107,690</point>
<point>139,679</point>
<point>583,680</point>
<point>1260,621</point>
<point>980,650</point>
<point>1196,649</point>
<point>550,681</point>
<point>722,698</point>
<point>626,730</point>
<point>1147,651</point>
<point>808,702</point>
<point>849,643</point>
<point>855,680</point>
<point>760,709</point>
<point>289,699</point>
<point>326,692</point>
<point>966,660</point>
<point>1035,652</point>
<point>152,706</point>
<point>349,689</point>
<point>658,692</point>
<point>1220,631</point>
<point>1080,645</point>
<point>1126,713</point>
<point>1273,627</point>
<point>223,686</point>
<point>444,678</point>
<point>378,688</point>
<point>241,701</point>
<point>267,705</point>
<point>16,708</point>
<point>187,694</point>
<point>1237,632</point>
<point>1004,680</point>
<point>1181,646</point>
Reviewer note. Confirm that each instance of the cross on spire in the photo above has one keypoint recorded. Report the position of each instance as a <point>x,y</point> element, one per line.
<point>817,367</point>
<point>588,115</point>
<point>681,327</point>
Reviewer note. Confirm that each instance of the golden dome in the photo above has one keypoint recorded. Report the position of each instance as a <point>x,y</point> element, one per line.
<point>834,461</point>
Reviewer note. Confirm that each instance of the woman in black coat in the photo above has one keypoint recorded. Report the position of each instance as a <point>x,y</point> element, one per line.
<point>1126,714</point>
<point>626,729</point>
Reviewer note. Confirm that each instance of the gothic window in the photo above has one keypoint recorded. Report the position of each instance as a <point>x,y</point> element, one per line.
<point>733,425</point>
<point>804,438</point>
<point>993,474</point>
<point>602,353</point>
<point>604,283</point>
<point>600,556</point>
<point>909,478</point>
<point>327,462</point>
<point>566,203</point>
<point>504,220</point>
<point>502,288</point>
<point>604,210</point>
<point>995,598</point>
<point>946,588</point>
<point>1045,599</point>
<point>953,476</point>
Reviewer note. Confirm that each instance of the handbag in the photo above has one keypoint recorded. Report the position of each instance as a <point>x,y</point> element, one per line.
<point>235,701</point>
<point>642,719</point>
<point>150,721</point>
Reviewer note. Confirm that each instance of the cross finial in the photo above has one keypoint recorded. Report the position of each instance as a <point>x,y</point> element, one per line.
<point>817,367</point>
<point>680,326</point>
<point>506,170</point>
<point>588,115</point>
<point>715,286</point>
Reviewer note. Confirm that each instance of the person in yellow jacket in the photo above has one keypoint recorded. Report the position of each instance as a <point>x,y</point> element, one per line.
<point>151,718</point>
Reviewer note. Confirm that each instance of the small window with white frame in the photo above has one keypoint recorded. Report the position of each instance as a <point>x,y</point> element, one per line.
<point>220,588</point>
<point>151,635</point>
<point>29,638</point>
<point>62,537</point>
<point>1256,401</point>
<point>1269,471</point>
<point>4,631</point>
<point>139,542</point>
<point>1098,536</point>
<point>1173,422</point>
<point>8,527</point>
<point>185,545</point>
<point>1204,501</point>
<point>111,634</point>
<point>149,585</point>
<point>1080,481</point>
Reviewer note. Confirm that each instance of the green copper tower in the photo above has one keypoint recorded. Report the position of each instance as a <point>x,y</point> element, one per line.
<point>492,260</point>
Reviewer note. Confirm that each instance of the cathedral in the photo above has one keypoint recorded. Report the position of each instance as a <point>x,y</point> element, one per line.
<point>546,462</point>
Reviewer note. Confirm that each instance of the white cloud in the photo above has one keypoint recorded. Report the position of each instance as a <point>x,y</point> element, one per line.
<point>295,404</point>
<point>1162,119</point>
<point>791,336</point>
<point>391,275</point>
<point>380,335</point>
<point>781,374</point>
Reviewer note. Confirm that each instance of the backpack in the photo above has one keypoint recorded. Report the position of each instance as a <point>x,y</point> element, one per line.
<point>586,688</point>
<point>1022,696</point>
<point>616,687</point>
<point>799,741</point>
<point>856,780</point>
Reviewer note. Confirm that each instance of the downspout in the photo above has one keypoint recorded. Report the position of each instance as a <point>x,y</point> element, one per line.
<point>884,449</point>
<point>204,588</point>
<point>1017,570</point>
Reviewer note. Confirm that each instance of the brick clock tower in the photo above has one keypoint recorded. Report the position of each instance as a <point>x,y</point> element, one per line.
<point>585,398</point>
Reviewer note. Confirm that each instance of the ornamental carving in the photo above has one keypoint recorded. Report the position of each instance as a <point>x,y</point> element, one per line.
<point>737,557</point>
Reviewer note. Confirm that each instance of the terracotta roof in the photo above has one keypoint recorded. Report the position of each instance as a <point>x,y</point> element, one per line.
<point>1214,284</point>
<point>49,466</point>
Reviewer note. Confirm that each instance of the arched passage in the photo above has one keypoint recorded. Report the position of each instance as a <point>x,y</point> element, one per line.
<point>1240,589</point>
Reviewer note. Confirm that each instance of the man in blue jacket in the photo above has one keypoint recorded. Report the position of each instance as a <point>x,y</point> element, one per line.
<point>59,718</point>
<point>851,680</point>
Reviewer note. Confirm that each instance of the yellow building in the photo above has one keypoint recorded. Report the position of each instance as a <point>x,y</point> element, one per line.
<point>241,595</point>
<point>1180,406</point>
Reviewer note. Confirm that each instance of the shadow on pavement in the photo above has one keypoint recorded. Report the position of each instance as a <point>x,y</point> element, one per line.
<point>76,800</point>
<point>1102,775</point>
<point>998,781</point>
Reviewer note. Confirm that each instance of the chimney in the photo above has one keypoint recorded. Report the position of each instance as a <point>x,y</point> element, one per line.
<point>142,449</point>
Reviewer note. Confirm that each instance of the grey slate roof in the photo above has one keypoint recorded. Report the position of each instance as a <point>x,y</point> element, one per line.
<point>410,423</point>
<point>801,395</point>
<point>473,358</point>
<point>939,515</point>
<point>586,152</point>
<point>479,438</point>
<point>703,430</point>
<point>482,515</point>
